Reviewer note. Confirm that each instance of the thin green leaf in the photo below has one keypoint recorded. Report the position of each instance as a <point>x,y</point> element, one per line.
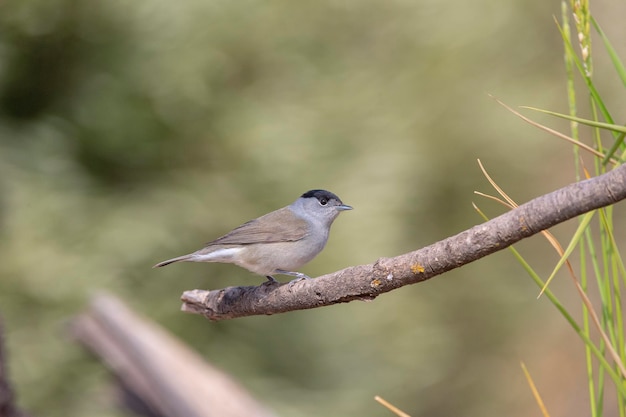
<point>592,123</point>
<point>605,365</point>
<point>555,301</point>
<point>617,62</point>
<point>616,145</point>
<point>572,244</point>
<point>590,86</point>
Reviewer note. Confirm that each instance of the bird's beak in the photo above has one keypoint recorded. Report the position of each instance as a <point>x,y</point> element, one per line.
<point>343,207</point>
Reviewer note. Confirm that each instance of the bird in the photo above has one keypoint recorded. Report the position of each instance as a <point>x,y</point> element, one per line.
<point>279,242</point>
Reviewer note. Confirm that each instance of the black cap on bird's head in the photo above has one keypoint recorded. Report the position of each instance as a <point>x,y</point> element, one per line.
<point>323,197</point>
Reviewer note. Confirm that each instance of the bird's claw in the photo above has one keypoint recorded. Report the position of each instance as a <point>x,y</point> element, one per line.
<point>299,277</point>
<point>270,280</point>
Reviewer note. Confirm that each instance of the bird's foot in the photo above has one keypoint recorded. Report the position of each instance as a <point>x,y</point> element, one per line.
<point>299,276</point>
<point>270,280</point>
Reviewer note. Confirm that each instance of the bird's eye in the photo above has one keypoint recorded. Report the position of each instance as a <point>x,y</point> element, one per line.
<point>323,201</point>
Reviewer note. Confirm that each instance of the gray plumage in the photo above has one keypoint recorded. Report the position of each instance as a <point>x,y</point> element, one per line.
<point>279,242</point>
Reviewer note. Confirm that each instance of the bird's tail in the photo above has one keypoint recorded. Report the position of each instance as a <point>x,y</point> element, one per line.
<point>171,261</point>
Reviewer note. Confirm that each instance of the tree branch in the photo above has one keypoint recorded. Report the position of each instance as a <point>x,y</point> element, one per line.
<point>366,282</point>
<point>159,374</point>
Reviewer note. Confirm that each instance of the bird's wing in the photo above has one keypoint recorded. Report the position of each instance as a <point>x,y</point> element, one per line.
<point>266,229</point>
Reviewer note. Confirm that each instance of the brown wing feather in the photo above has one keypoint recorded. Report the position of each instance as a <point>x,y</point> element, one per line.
<point>269,228</point>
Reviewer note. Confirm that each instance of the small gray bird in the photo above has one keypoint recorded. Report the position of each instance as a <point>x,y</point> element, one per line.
<point>279,242</point>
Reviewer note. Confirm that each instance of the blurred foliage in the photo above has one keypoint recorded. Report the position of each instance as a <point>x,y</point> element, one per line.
<point>134,131</point>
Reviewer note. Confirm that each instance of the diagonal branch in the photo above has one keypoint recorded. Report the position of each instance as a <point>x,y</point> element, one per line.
<point>366,282</point>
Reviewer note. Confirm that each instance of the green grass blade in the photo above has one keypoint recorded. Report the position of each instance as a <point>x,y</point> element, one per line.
<point>588,356</point>
<point>605,365</point>
<point>572,244</point>
<point>608,126</point>
<point>615,251</point>
<point>569,57</point>
<point>617,62</point>
<point>619,141</point>
<point>590,85</point>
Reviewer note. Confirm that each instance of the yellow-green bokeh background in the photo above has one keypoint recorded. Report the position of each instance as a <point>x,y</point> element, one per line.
<point>134,131</point>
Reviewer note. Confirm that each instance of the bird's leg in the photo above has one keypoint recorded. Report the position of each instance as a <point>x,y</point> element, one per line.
<point>299,275</point>
<point>270,280</point>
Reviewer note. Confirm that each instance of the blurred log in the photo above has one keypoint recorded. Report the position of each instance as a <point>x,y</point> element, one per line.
<point>366,282</point>
<point>7,396</point>
<point>159,370</point>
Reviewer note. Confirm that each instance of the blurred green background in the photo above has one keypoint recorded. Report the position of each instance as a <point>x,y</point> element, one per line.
<point>135,131</point>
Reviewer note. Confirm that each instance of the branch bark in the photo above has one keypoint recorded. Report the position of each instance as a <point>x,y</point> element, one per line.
<point>366,282</point>
<point>158,372</point>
